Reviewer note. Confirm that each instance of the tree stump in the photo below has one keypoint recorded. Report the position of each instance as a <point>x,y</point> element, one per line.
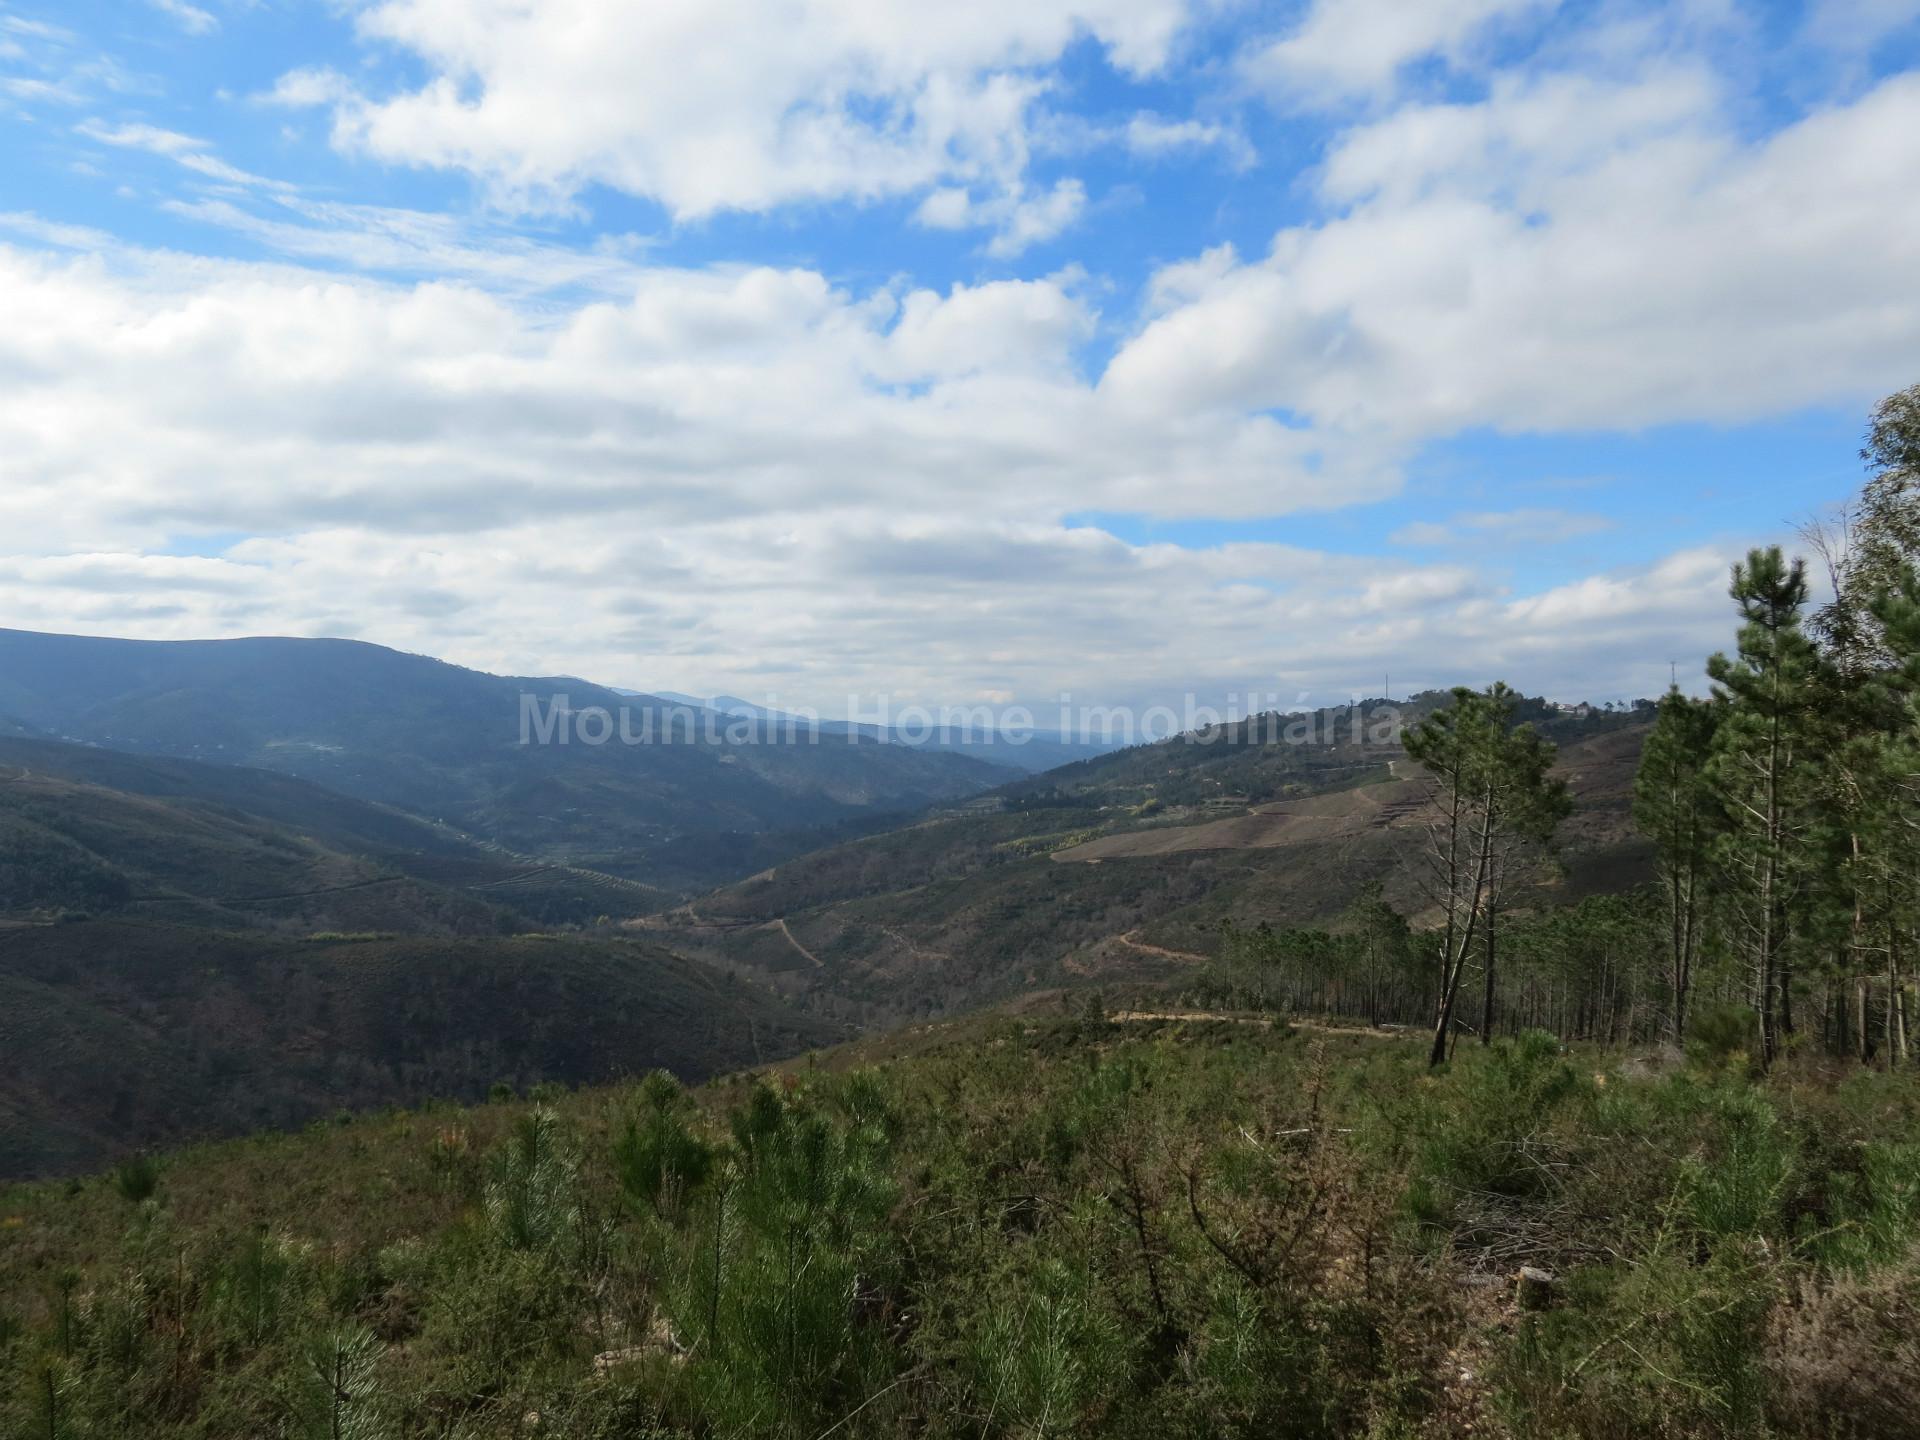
<point>1534,1289</point>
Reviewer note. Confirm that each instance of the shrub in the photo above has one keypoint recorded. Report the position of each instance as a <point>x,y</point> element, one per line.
<point>658,1159</point>
<point>1723,1034</point>
<point>336,1392</point>
<point>529,1196</point>
<point>137,1178</point>
<point>1741,1187</point>
<point>1844,1356</point>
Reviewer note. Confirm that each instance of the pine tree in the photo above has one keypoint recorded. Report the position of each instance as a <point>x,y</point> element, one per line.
<point>1674,804</point>
<point>1897,611</point>
<point>1767,689</point>
<point>1489,794</point>
<point>1527,805</point>
<point>1876,539</point>
<point>338,1394</point>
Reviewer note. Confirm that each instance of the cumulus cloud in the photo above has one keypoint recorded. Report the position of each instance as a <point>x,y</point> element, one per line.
<point>748,478</point>
<point>1564,255</point>
<point>1347,47</point>
<point>1020,220</point>
<point>704,106</point>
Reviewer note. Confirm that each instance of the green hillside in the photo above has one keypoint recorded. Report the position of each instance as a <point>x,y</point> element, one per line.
<point>297,805</point>
<point>94,830</point>
<point>1046,1227</point>
<point>445,743</point>
<point>1093,872</point>
<point>68,848</point>
<point>118,1035</point>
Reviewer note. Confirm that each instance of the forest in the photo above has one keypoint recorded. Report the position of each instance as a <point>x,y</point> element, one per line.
<point>1783,806</point>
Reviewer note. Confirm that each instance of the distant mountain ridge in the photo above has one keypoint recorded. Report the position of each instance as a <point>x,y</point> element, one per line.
<point>445,743</point>
<point>1024,748</point>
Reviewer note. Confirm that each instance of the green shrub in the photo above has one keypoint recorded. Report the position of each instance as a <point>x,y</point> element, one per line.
<point>1723,1034</point>
<point>336,1391</point>
<point>529,1197</point>
<point>1043,1354</point>
<point>1489,1127</point>
<point>257,1291</point>
<point>1740,1187</point>
<point>137,1178</point>
<point>656,1155</point>
<point>780,1277</point>
<point>1657,1347</point>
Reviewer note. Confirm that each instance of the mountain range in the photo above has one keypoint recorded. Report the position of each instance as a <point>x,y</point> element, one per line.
<point>689,810</point>
<point>249,883</point>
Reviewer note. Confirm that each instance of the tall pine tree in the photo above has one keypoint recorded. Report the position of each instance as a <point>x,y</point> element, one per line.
<point>1490,796</point>
<point>1674,803</point>
<point>1767,687</point>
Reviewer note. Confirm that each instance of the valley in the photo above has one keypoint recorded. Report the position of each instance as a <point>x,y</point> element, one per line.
<point>150,902</point>
<point>1092,874</point>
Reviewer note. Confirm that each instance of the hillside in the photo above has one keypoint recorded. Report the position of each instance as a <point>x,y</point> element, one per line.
<point>1123,866</point>
<point>174,848</point>
<point>1078,1226</point>
<point>1025,748</point>
<point>118,1035</point>
<point>94,830</point>
<point>445,743</point>
<point>297,805</point>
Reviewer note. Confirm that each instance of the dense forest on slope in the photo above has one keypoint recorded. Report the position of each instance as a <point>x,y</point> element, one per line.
<point>70,850</point>
<point>117,1034</point>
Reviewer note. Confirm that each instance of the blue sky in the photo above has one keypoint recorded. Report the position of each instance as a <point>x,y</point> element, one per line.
<point>807,350</point>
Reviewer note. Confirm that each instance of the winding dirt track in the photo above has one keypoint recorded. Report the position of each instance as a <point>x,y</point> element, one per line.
<point>781,926</point>
<point>1186,956</point>
<point>1127,1017</point>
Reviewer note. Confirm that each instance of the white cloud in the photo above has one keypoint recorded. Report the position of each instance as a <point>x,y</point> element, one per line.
<point>1502,528</point>
<point>1347,47</point>
<point>191,18</point>
<point>392,241</point>
<point>183,150</point>
<point>1561,256</point>
<point>141,137</point>
<point>706,391</point>
<point>735,479</point>
<point>1020,220</point>
<point>1030,220</point>
<point>711,105</point>
<point>1858,25</point>
<point>1155,137</point>
<point>308,86</point>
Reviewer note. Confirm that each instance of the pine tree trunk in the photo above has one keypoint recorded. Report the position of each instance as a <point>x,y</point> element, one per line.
<point>1486,1002</point>
<point>1860,1019</point>
<point>1455,967</point>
